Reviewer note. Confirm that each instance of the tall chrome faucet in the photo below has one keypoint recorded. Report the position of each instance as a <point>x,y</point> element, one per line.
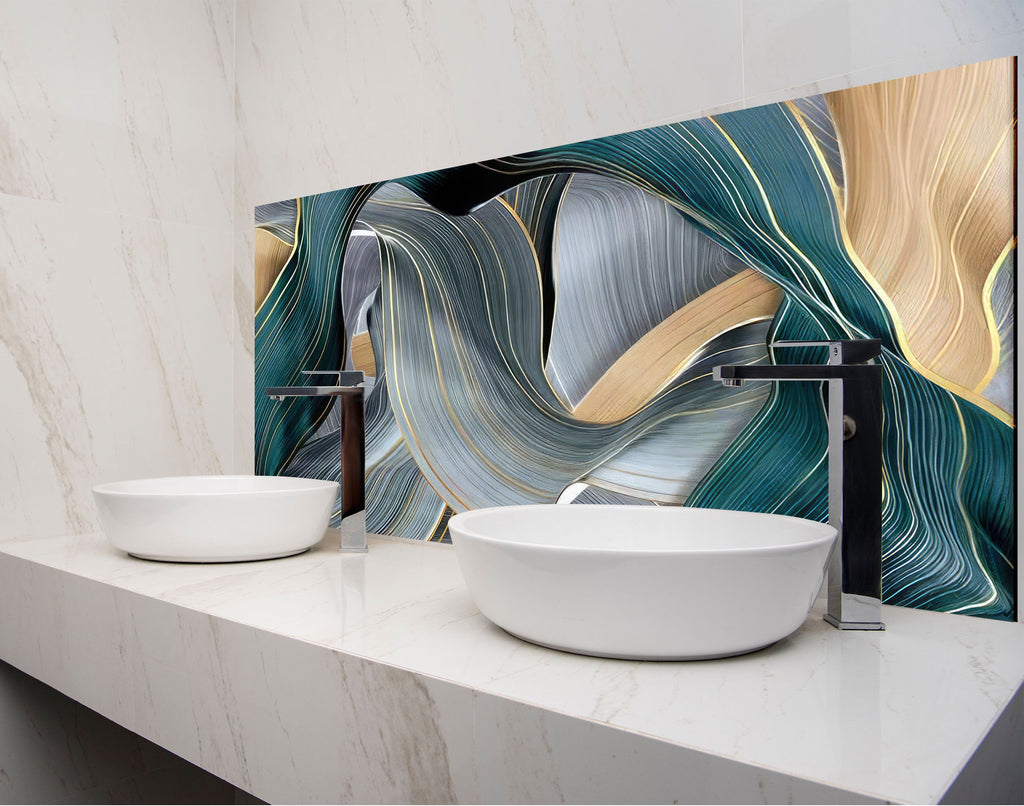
<point>349,390</point>
<point>854,470</point>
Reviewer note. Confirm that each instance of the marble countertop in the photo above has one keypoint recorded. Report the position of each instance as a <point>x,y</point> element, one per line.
<point>446,706</point>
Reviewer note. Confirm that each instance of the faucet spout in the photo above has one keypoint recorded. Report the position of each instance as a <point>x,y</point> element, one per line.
<point>349,388</point>
<point>854,470</point>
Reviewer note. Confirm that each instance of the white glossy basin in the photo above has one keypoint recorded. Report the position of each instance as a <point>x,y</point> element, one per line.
<point>645,583</point>
<point>209,519</point>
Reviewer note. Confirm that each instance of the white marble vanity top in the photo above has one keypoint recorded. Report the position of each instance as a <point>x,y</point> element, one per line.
<point>263,648</point>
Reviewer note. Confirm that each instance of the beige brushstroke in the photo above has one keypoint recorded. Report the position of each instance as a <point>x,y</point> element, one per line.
<point>362,353</point>
<point>928,164</point>
<point>271,256</point>
<point>659,356</point>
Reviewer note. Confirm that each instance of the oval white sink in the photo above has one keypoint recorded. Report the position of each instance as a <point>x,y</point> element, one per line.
<point>645,583</point>
<point>209,519</point>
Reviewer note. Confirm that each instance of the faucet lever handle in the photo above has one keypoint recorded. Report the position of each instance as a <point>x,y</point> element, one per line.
<point>345,377</point>
<point>842,351</point>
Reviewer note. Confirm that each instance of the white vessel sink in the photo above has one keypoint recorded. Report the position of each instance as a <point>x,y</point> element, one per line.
<point>644,583</point>
<point>209,519</point>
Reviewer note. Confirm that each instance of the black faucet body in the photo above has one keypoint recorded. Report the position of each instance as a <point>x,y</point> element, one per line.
<point>854,591</point>
<point>349,390</point>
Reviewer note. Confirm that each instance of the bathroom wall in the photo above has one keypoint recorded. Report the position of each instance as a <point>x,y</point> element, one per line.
<point>525,76</point>
<point>116,317</point>
<point>116,157</point>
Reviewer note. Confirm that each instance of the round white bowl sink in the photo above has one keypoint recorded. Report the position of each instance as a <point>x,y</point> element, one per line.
<point>211,519</point>
<point>644,583</point>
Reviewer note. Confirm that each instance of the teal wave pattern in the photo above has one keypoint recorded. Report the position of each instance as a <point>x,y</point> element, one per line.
<point>300,326</point>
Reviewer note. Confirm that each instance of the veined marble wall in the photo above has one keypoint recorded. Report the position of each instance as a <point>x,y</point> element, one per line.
<point>116,318</point>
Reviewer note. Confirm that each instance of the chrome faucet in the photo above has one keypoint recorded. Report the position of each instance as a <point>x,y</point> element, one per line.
<point>349,390</point>
<point>854,596</point>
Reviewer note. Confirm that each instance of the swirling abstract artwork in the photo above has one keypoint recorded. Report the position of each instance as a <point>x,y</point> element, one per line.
<point>542,327</point>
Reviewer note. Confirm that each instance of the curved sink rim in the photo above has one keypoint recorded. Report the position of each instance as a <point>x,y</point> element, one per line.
<point>215,518</point>
<point>136,488</point>
<point>827,533</point>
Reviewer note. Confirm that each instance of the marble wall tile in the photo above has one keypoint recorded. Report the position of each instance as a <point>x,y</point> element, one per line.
<point>243,352</point>
<point>116,169</point>
<point>428,85</point>
<point>804,41</point>
<point>115,351</point>
<point>121,106</point>
<point>332,95</point>
<point>327,95</point>
<point>521,75</point>
<point>910,64</point>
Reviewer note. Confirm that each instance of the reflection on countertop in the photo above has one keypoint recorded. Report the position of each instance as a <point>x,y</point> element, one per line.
<point>373,677</point>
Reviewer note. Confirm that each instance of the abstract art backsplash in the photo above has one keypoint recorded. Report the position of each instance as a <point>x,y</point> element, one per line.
<point>542,327</point>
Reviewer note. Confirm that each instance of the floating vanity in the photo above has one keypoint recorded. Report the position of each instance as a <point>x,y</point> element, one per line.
<point>372,678</point>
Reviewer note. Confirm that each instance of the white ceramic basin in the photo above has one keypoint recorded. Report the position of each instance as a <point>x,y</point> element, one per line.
<point>646,583</point>
<point>209,519</point>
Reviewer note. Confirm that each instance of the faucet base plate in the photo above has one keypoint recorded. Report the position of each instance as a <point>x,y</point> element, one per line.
<point>853,625</point>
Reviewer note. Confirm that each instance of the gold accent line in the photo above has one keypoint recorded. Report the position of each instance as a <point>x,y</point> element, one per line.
<point>990,316</point>
<point>555,276</point>
<point>540,283</point>
<point>275,236</point>
<point>778,228</point>
<point>395,241</point>
<point>967,520</point>
<point>392,354</point>
<point>867,276</point>
<point>901,336</point>
<point>812,141</point>
<point>271,256</point>
<point>437,522</point>
<point>298,215</point>
<point>993,335</point>
<point>650,365</point>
